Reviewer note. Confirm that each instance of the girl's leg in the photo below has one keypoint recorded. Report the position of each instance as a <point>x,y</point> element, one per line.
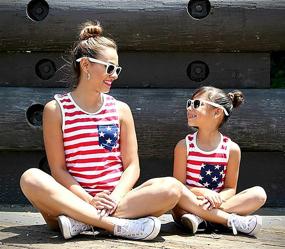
<point>188,203</point>
<point>154,197</point>
<point>245,202</point>
<point>52,200</point>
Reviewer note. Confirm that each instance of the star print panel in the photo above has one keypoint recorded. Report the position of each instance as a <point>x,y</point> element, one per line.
<point>108,136</point>
<point>211,176</point>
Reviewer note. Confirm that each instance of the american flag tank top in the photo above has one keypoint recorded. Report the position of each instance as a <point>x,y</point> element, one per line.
<point>91,143</point>
<point>207,169</point>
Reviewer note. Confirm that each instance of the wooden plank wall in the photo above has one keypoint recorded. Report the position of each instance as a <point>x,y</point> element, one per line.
<point>146,25</point>
<point>166,49</point>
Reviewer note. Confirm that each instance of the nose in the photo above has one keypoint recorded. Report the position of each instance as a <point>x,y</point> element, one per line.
<point>189,108</point>
<point>114,75</point>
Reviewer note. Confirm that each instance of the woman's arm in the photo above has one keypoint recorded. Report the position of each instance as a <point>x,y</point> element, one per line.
<point>129,152</point>
<point>53,140</point>
<point>232,172</point>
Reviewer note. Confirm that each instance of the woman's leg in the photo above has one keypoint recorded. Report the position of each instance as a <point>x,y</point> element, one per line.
<point>154,197</point>
<point>52,200</point>
<point>245,202</point>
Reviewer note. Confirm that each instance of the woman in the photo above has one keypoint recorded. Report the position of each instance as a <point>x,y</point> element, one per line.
<point>91,146</point>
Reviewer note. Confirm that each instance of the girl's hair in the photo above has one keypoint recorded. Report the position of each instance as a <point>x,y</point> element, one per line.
<point>227,100</point>
<point>90,44</point>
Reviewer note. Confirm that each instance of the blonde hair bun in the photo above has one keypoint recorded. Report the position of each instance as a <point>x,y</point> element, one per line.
<point>90,29</point>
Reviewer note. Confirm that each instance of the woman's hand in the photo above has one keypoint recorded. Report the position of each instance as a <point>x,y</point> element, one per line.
<point>104,203</point>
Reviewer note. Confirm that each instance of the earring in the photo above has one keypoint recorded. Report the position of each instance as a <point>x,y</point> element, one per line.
<point>88,76</point>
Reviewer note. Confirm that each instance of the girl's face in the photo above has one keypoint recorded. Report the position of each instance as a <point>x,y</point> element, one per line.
<point>99,77</point>
<point>200,113</point>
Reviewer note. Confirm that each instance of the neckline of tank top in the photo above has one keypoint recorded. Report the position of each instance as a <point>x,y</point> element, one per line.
<point>207,152</point>
<point>89,113</point>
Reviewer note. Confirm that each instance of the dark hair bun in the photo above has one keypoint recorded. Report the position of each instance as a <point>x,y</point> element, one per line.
<point>237,98</point>
<point>90,29</point>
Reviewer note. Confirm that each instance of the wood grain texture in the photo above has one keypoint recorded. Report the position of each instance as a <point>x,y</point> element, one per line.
<point>253,166</point>
<point>144,25</point>
<point>160,119</point>
<point>146,70</point>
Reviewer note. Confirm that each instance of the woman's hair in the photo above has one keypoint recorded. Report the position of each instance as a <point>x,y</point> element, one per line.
<point>227,100</point>
<point>90,44</point>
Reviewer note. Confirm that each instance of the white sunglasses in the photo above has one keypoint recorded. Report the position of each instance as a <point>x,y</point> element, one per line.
<point>196,103</point>
<point>110,68</point>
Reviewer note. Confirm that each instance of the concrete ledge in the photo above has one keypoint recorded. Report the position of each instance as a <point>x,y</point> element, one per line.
<point>23,227</point>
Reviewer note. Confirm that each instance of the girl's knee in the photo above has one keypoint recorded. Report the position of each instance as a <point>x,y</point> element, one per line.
<point>260,194</point>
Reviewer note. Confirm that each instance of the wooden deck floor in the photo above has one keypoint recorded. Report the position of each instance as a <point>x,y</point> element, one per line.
<point>22,227</point>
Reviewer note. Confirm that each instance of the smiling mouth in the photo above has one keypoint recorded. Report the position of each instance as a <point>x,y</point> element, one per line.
<point>107,82</point>
<point>192,116</point>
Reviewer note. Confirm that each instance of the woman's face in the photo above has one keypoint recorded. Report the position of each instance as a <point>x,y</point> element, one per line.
<point>101,80</point>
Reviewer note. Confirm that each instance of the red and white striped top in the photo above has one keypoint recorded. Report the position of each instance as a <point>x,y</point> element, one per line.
<point>207,169</point>
<point>91,143</point>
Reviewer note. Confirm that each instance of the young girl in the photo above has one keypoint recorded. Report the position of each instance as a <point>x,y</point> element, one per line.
<point>91,145</point>
<point>207,162</point>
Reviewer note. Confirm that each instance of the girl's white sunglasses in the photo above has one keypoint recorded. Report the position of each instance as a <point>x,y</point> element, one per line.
<point>196,103</point>
<point>110,68</point>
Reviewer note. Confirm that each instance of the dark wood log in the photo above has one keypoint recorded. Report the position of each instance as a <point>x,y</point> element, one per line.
<point>160,25</point>
<point>144,70</point>
<point>160,118</point>
<point>254,170</point>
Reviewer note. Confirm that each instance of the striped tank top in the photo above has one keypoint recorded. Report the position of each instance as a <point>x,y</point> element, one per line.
<point>206,169</point>
<point>91,143</point>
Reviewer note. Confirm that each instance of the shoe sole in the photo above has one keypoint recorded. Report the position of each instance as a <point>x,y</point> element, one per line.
<point>63,226</point>
<point>258,226</point>
<point>156,229</point>
<point>187,223</point>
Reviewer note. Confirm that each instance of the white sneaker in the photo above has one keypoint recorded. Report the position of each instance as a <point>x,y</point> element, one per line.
<point>138,229</point>
<point>70,227</point>
<point>191,222</point>
<point>249,225</point>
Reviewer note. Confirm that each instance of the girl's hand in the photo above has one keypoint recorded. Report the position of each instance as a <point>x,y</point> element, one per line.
<point>204,202</point>
<point>214,198</point>
<point>104,203</point>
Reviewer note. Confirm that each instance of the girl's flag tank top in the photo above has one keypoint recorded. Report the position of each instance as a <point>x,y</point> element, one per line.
<point>207,169</point>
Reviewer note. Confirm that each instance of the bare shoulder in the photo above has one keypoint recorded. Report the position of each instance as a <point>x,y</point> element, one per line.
<point>52,111</point>
<point>234,147</point>
<point>180,146</point>
<point>124,110</point>
<point>235,152</point>
<point>122,106</point>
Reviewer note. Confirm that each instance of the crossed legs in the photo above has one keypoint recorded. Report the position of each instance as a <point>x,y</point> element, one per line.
<point>154,197</point>
<point>244,203</point>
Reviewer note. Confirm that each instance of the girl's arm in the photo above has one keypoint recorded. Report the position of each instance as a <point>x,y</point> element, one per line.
<point>180,161</point>
<point>129,152</point>
<point>232,172</point>
<point>179,172</point>
<point>53,140</point>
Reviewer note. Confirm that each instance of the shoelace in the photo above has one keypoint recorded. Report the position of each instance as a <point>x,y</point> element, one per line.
<point>237,223</point>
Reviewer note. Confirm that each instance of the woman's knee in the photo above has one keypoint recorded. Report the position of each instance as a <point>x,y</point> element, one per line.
<point>171,188</point>
<point>31,180</point>
<point>259,194</point>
